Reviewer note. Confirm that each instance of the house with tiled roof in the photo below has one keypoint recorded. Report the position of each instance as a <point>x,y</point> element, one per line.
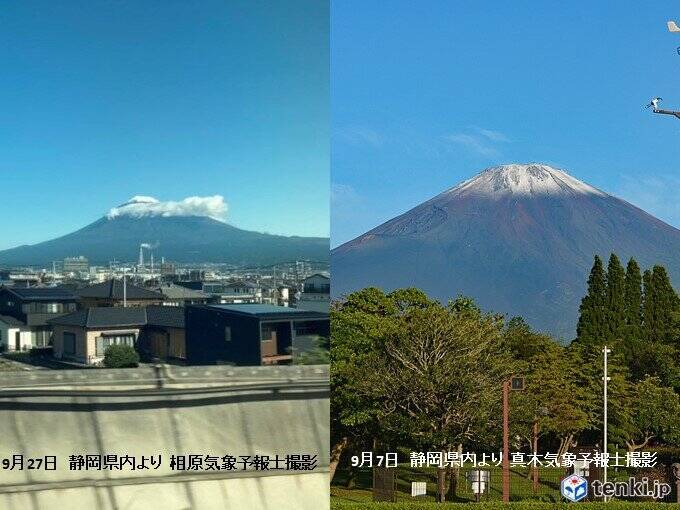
<point>117,293</point>
<point>26,312</point>
<point>156,332</point>
<point>177,295</point>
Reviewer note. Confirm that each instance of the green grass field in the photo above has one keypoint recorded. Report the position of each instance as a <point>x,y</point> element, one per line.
<point>521,486</point>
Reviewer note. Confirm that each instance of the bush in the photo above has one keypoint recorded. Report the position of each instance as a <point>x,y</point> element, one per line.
<point>40,352</point>
<point>120,356</point>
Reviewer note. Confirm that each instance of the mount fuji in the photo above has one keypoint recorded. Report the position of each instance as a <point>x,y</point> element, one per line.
<point>185,232</point>
<point>520,239</point>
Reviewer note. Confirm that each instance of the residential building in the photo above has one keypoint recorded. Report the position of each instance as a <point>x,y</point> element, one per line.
<point>14,335</point>
<point>156,332</point>
<point>251,334</point>
<point>316,293</point>
<point>237,292</point>
<point>33,307</point>
<point>115,293</point>
<point>177,295</point>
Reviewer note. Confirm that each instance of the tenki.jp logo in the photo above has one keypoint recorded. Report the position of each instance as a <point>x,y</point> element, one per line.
<point>574,488</point>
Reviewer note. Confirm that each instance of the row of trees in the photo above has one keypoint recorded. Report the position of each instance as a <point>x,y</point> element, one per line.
<point>408,371</point>
<point>638,315</point>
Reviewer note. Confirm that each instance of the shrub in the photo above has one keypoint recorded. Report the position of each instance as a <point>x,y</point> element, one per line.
<point>120,356</point>
<point>40,352</point>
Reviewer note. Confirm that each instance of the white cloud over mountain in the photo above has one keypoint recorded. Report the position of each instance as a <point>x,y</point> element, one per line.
<point>141,206</point>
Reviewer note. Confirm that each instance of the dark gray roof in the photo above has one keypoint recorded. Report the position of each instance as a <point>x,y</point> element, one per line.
<point>113,289</point>
<point>12,321</point>
<point>270,311</point>
<point>322,275</point>
<point>110,317</point>
<point>103,317</point>
<point>241,284</point>
<point>42,293</point>
<point>166,316</point>
<point>180,292</point>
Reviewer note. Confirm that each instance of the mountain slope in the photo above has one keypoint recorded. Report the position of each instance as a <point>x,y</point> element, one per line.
<point>177,238</point>
<point>520,239</point>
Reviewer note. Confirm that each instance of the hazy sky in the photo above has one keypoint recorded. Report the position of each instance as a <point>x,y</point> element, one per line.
<point>103,100</point>
<point>426,94</point>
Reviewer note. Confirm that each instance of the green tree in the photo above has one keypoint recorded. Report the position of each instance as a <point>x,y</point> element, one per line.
<point>317,354</point>
<point>655,359</point>
<point>656,410</point>
<point>616,300</point>
<point>552,399</point>
<point>120,356</point>
<point>659,307</point>
<point>633,297</point>
<point>632,338</point>
<point>359,325</point>
<point>438,375</point>
<point>592,322</point>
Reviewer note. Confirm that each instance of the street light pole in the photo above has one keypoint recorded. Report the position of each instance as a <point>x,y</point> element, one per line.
<point>605,379</point>
<point>506,443</point>
<point>534,469</point>
<point>515,384</point>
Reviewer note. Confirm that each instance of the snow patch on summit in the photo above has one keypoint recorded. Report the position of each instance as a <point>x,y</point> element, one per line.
<point>524,180</point>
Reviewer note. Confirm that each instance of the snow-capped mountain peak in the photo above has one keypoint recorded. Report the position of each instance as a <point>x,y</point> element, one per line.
<point>523,179</point>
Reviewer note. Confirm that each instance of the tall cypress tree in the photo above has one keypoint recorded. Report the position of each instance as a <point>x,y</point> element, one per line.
<point>592,322</point>
<point>616,300</point>
<point>660,306</point>
<point>648,307</point>
<point>633,297</point>
<point>632,338</point>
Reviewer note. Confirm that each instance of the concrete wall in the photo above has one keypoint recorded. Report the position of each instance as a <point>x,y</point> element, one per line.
<point>229,417</point>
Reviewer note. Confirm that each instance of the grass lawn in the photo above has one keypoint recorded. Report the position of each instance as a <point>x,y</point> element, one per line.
<point>521,486</point>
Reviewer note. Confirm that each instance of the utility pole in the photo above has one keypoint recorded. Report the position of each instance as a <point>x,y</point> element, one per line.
<point>506,442</point>
<point>534,469</point>
<point>668,112</point>
<point>514,383</point>
<point>124,288</point>
<point>605,379</point>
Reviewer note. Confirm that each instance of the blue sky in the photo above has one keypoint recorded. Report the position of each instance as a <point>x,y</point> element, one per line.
<point>426,94</point>
<point>104,100</point>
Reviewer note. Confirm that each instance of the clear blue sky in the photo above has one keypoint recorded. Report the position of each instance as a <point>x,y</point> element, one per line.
<point>102,100</point>
<point>426,94</point>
